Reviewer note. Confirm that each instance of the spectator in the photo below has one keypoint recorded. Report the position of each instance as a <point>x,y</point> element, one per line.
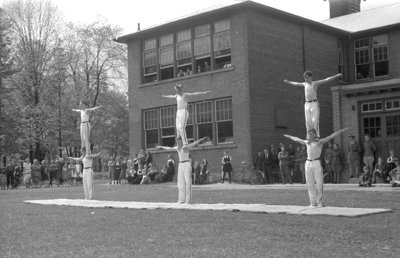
<point>365,178</point>
<point>3,176</point>
<point>303,159</point>
<point>117,171</point>
<point>145,175</point>
<point>188,71</point>
<point>59,164</point>
<point>284,160</point>
<point>354,157</point>
<point>45,170</point>
<point>369,150</point>
<point>380,170</point>
<point>27,172</point>
<point>274,158</point>
<point>226,167</point>
<point>141,157</point>
<point>79,171</point>
<point>268,167</point>
<point>199,69</point>
<point>36,175</point>
<point>259,161</point>
<point>196,172</point>
<point>52,172</point>
<point>72,172</point>
<point>395,174</point>
<point>111,170</point>
<point>207,67</point>
<point>170,168</point>
<point>139,174</point>
<point>152,168</point>
<point>328,156</point>
<point>390,165</point>
<point>180,73</point>
<point>337,163</point>
<point>148,158</point>
<point>10,173</point>
<point>203,171</point>
<point>124,167</point>
<point>18,173</point>
<point>161,177</point>
<point>292,152</point>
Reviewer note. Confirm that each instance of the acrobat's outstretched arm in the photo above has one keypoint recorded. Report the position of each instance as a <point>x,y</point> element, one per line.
<point>76,110</point>
<point>94,108</point>
<point>169,96</point>
<point>296,139</point>
<point>332,78</point>
<point>76,159</point>
<point>293,83</point>
<point>195,143</point>
<point>326,139</point>
<point>196,93</point>
<point>165,148</point>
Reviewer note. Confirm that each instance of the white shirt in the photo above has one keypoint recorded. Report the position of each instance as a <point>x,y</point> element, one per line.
<point>181,101</point>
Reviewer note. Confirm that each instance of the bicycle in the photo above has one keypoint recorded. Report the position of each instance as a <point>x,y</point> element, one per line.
<point>251,175</point>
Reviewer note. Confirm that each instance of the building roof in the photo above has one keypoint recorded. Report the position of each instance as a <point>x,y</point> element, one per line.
<point>376,18</point>
<point>371,86</point>
<point>224,9</point>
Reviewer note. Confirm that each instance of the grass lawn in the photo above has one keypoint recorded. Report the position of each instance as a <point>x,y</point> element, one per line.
<point>29,230</point>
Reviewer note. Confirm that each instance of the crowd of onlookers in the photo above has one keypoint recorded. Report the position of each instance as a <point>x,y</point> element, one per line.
<point>16,172</point>
<point>141,169</point>
<point>286,163</point>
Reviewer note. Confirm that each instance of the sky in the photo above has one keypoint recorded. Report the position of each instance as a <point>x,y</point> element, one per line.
<point>128,13</point>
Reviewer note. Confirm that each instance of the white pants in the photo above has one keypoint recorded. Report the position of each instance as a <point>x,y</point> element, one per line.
<point>87,180</point>
<point>85,136</point>
<point>311,112</point>
<point>182,116</point>
<point>185,182</point>
<point>314,176</point>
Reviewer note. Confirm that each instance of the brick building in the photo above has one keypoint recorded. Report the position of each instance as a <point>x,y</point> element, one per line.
<point>241,53</point>
<point>369,102</point>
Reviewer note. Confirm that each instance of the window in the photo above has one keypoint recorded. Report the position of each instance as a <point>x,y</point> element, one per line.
<point>204,120</point>
<point>380,50</point>
<point>361,55</point>
<point>199,49</point>
<point>151,128</point>
<point>222,44</point>
<point>393,125</point>
<point>371,107</point>
<point>392,104</point>
<point>189,125</point>
<point>184,51</point>
<point>224,120</point>
<point>166,57</point>
<point>372,126</point>
<point>168,126</point>
<point>149,60</point>
<point>202,48</point>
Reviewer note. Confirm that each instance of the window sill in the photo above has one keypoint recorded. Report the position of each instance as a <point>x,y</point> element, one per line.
<point>187,77</point>
<point>377,78</point>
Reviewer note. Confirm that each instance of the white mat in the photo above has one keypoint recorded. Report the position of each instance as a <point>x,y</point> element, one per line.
<point>258,208</point>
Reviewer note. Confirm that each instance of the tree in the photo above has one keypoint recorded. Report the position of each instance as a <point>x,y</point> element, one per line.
<point>34,28</point>
<point>96,62</point>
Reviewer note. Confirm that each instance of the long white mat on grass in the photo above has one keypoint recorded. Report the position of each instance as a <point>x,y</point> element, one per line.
<point>258,208</point>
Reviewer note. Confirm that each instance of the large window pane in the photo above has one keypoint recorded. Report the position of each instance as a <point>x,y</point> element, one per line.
<point>151,138</point>
<point>167,56</point>
<point>393,125</point>
<point>202,46</point>
<point>372,126</point>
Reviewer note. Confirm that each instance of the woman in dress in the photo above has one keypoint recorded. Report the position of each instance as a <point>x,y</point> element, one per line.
<point>27,172</point>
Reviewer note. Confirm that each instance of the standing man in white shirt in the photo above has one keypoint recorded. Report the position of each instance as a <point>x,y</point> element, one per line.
<point>182,113</point>
<point>184,169</point>
<point>311,106</point>
<point>314,172</point>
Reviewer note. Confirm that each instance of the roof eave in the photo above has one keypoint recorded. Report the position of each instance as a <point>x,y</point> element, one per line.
<point>223,11</point>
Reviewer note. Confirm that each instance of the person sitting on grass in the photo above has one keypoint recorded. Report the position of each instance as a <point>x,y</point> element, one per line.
<point>145,175</point>
<point>395,174</point>
<point>379,170</point>
<point>365,178</point>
